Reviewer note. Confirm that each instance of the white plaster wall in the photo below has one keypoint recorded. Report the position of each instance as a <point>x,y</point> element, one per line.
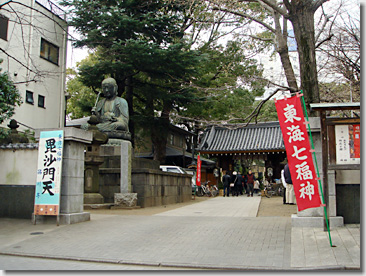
<point>18,167</point>
<point>26,38</point>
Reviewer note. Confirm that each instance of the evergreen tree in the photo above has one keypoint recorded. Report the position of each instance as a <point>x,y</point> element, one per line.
<point>140,44</point>
<point>9,97</point>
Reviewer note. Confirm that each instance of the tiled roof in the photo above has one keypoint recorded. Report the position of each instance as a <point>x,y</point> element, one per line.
<point>252,138</point>
<point>20,146</point>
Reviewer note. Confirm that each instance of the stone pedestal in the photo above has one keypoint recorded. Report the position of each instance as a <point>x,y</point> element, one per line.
<point>117,168</point>
<point>93,198</point>
<point>72,181</point>
<point>126,166</point>
<point>125,200</point>
<point>316,222</point>
<point>92,162</point>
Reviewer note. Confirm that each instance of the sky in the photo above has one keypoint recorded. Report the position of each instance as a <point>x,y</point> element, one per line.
<point>75,55</point>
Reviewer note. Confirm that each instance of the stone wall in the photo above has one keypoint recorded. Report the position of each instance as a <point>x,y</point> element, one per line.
<point>157,188</point>
<point>153,187</point>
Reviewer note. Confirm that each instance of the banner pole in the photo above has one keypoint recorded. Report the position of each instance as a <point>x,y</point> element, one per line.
<point>317,169</point>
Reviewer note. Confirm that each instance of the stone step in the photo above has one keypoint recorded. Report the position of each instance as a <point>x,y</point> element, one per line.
<point>98,206</point>
<point>115,207</point>
<point>111,206</point>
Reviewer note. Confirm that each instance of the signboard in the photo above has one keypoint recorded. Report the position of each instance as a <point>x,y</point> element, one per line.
<point>298,150</point>
<point>198,175</point>
<point>347,144</point>
<point>49,169</point>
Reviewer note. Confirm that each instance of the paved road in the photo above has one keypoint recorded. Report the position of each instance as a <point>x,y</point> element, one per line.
<point>219,233</point>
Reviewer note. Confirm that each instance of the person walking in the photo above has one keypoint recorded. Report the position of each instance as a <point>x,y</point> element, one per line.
<point>245,180</point>
<point>250,183</point>
<point>238,184</point>
<point>232,181</point>
<point>256,186</point>
<point>226,182</point>
<point>284,185</point>
<point>290,194</point>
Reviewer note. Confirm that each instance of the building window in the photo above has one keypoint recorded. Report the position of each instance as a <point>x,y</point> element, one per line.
<point>29,97</point>
<point>49,51</point>
<point>4,22</point>
<point>41,101</point>
<point>181,142</point>
<point>171,140</point>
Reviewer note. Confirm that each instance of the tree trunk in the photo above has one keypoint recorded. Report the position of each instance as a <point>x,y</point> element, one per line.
<point>282,50</point>
<point>129,99</point>
<point>159,134</point>
<point>302,18</point>
<point>289,72</point>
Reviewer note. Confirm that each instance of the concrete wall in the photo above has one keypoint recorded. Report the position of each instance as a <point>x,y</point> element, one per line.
<point>18,166</point>
<point>18,174</point>
<point>348,177</point>
<point>156,188</point>
<point>348,195</point>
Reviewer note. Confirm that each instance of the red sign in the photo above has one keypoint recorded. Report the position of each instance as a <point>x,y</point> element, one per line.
<point>356,142</point>
<point>198,174</point>
<point>298,150</point>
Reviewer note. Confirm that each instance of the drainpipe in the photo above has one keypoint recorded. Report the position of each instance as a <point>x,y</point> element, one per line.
<point>63,93</point>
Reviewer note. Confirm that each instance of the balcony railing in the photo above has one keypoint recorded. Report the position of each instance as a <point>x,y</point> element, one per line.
<point>52,8</point>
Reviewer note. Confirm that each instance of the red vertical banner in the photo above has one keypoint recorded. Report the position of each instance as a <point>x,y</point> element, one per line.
<point>198,174</point>
<point>356,141</point>
<point>298,150</point>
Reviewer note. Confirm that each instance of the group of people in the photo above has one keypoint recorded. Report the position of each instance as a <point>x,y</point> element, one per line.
<point>237,184</point>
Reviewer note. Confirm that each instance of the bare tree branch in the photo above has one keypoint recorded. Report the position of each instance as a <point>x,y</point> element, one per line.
<point>246,16</point>
<point>324,40</point>
<point>227,123</point>
<point>262,38</point>
<point>274,5</point>
<point>318,3</point>
<point>18,61</point>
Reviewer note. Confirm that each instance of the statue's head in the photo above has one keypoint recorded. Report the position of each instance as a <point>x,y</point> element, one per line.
<point>109,87</point>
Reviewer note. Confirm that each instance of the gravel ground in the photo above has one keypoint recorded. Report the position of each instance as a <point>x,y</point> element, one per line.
<point>274,207</point>
<point>269,207</point>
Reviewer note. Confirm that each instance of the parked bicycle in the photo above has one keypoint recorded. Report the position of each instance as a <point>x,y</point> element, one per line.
<point>273,189</point>
<point>214,190</point>
<point>204,189</point>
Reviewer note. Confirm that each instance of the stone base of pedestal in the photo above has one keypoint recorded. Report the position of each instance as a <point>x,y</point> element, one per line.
<point>125,200</point>
<point>74,218</point>
<point>71,218</point>
<point>104,206</point>
<point>93,198</point>
<point>315,222</point>
<point>117,207</point>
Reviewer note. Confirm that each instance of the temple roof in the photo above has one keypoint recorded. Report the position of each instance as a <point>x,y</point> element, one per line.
<point>261,137</point>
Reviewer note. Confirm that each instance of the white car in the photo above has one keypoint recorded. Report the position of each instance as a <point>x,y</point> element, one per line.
<point>173,169</point>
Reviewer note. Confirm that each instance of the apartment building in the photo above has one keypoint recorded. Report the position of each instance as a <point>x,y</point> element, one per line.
<point>33,39</point>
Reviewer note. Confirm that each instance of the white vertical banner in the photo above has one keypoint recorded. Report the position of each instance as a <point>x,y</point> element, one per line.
<point>49,170</point>
<point>345,145</point>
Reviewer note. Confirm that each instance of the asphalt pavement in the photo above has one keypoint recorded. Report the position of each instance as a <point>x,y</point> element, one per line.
<point>219,233</point>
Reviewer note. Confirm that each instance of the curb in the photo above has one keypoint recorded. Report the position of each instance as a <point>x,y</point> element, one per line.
<point>185,265</point>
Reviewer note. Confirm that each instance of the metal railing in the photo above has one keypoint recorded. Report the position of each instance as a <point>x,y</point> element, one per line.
<point>49,5</point>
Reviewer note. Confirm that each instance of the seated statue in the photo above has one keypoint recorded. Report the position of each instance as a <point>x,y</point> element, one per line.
<point>112,112</point>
